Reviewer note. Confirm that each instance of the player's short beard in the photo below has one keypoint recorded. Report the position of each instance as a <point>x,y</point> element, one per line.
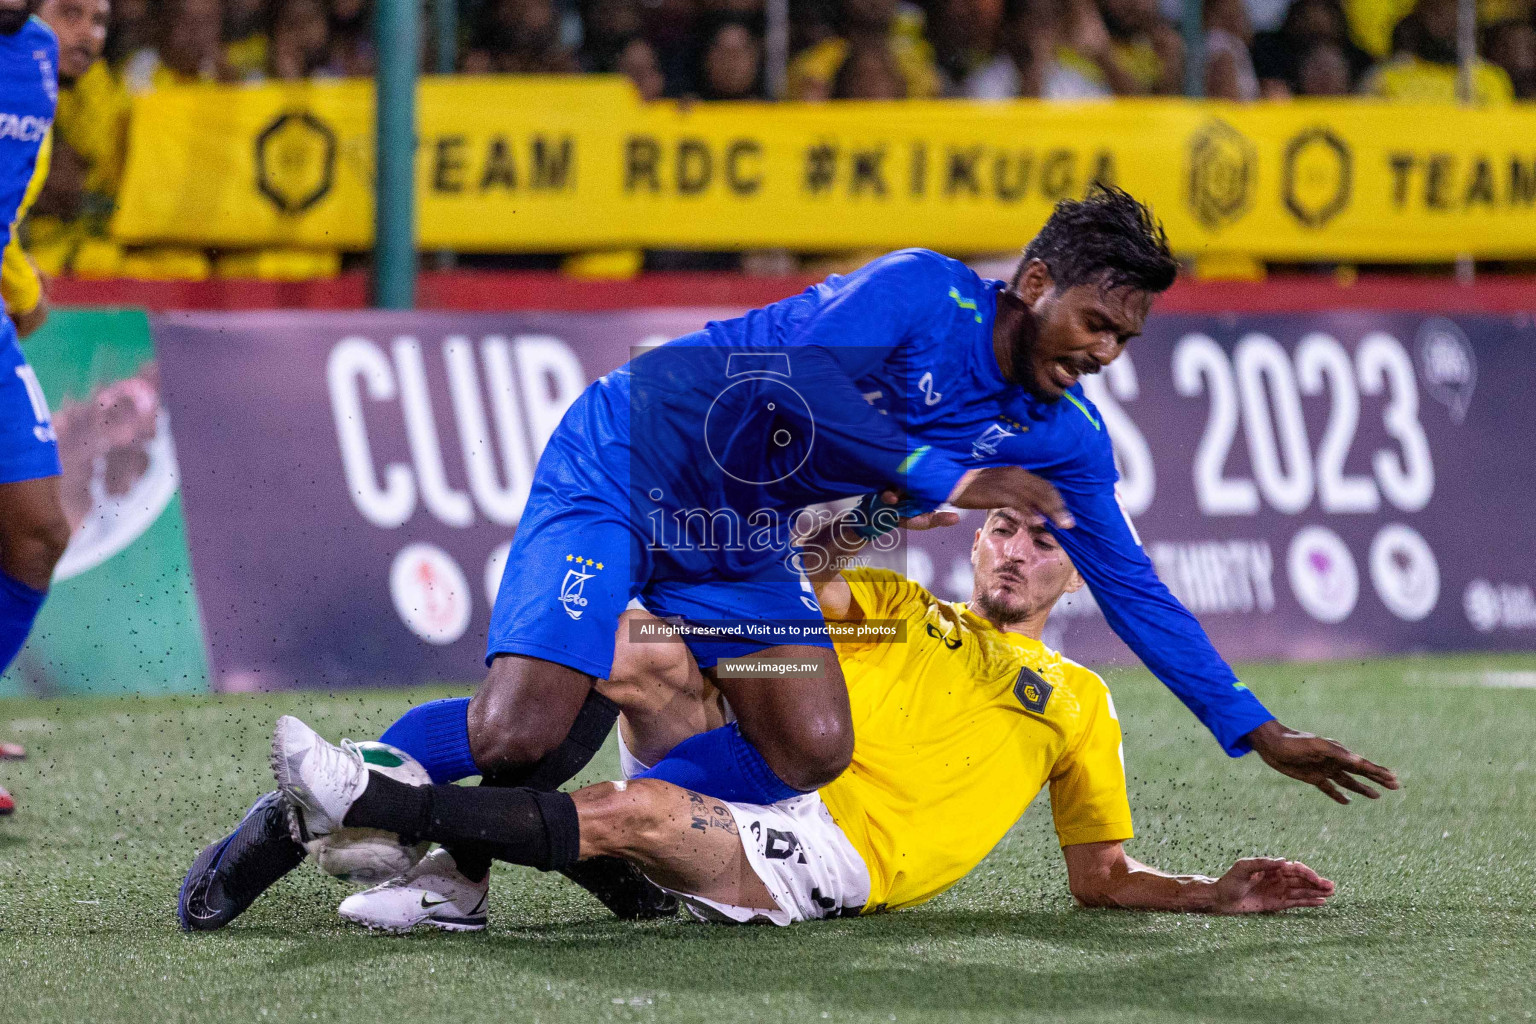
<point>999,613</point>
<point>11,21</point>
<point>1021,347</point>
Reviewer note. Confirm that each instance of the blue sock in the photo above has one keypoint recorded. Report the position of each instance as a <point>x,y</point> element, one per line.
<point>18,610</point>
<point>722,764</point>
<point>436,734</point>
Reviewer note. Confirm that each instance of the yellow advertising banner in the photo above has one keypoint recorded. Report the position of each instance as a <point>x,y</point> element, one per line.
<point>553,164</point>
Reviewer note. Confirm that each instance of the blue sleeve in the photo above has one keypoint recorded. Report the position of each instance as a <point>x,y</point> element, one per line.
<point>879,309</point>
<point>1152,622</point>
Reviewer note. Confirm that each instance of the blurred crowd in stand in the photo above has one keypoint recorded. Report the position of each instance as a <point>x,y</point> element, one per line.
<point>883,50</point>
<point>860,49</point>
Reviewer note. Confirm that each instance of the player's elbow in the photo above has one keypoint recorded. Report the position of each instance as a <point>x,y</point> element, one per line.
<point>27,323</point>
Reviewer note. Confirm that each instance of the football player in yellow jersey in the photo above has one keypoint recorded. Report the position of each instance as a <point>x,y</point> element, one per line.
<point>961,715</point>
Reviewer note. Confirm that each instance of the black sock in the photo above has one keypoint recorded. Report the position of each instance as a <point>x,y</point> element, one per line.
<point>520,826</point>
<point>619,886</point>
<point>392,806</point>
<point>588,733</point>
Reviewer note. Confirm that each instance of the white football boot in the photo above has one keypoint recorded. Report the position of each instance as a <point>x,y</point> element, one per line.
<point>431,893</point>
<point>320,779</point>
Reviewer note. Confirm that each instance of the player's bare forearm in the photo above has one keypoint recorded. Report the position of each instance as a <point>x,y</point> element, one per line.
<point>833,548</point>
<point>1102,875</point>
<point>1011,487</point>
<point>825,553</point>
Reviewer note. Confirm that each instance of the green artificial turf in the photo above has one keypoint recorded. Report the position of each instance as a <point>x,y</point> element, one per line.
<point>1435,917</point>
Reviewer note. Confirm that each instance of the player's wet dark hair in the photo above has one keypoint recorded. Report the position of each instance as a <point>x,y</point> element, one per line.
<point>1107,238</point>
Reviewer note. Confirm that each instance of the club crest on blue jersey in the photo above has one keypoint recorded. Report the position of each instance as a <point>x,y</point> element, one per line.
<point>1033,692</point>
<point>985,446</point>
<point>571,598</point>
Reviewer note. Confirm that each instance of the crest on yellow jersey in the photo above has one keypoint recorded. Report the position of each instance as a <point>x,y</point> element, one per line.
<point>1033,692</point>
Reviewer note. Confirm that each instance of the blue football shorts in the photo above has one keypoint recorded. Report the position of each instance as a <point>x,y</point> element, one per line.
<point>27,446</point>
<point>580,556</point>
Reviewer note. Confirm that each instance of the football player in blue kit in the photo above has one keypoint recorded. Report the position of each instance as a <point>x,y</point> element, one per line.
<point>33,531</point>
<point>912,382</point>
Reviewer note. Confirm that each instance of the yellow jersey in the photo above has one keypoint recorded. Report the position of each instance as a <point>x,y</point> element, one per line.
<point>93,121</point>
<point>957,728</point>
<point>914,58</point>
<point>1407,79</point>
<point>20,287</point>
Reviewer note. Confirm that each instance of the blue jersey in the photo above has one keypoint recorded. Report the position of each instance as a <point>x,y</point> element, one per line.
<point>1065,442</point>
<point>861,382</point>
<point>29,91</point>
<point>913,331</point>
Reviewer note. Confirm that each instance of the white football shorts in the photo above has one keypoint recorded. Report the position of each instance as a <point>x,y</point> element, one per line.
<point>804,860</point>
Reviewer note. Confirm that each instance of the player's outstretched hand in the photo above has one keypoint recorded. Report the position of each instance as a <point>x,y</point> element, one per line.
<point>930,520</point>
<point>1264,885</point>
<point>925,521</point>
<point>1012,487</point>
<point>1319,762</point>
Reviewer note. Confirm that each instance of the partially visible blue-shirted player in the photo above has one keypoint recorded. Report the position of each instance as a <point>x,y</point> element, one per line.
<point>33,531</point>
<point>912,382</point>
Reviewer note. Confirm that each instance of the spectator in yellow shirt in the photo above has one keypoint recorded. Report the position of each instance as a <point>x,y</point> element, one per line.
<point>1423,68</point>
<point>301,42</point>
<point>869,26</point>
<point>870,72</point>
<point>1315,33</point>
<point>246,30</point>
<point>89,136</point>
<point>1146,52</point>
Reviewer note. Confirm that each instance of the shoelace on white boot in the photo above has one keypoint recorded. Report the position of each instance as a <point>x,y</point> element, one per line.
<point>340,764</point>
<point>336,769</point>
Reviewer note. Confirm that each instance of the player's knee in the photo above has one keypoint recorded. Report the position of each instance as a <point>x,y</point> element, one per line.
<point>631,818</point>
<point>502,737</point>
<point>523,711</point>
<point>814,753</point>
<point>33,544</point>
<point>511,744</point>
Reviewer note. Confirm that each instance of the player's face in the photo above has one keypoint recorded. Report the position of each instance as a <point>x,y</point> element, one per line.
<point>1078,330</point>
<point>81,26</point>
<point>1020,568</point>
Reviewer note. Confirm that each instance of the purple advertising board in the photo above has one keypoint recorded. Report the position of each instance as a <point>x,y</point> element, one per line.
<point>1311,485</point>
